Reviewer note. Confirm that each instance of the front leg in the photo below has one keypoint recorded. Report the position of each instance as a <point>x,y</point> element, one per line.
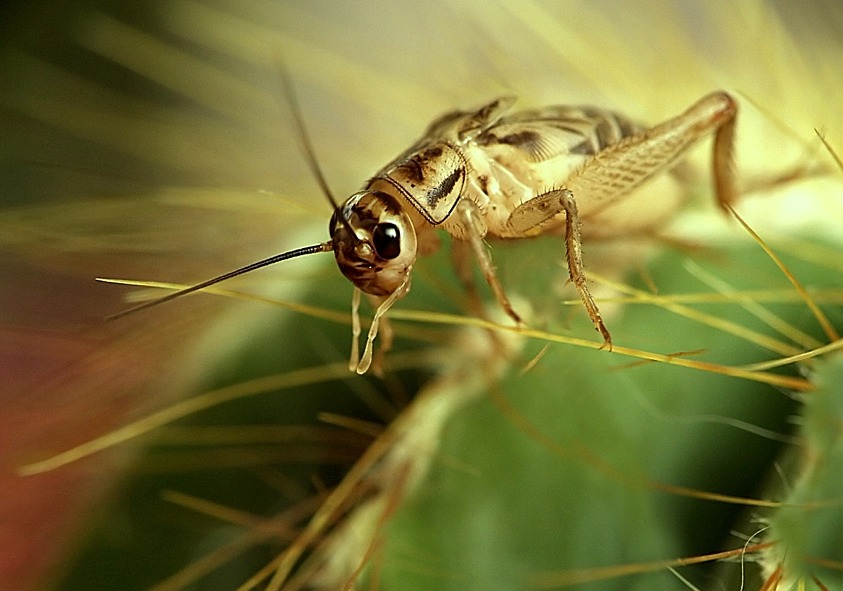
<point>462,256</point>
<point>476,230</point>
<point>530,215</point>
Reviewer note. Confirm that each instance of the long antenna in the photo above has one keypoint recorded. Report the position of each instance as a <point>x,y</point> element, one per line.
<point>307,146</point>
<point>323,247</point>
<point>310,155</point>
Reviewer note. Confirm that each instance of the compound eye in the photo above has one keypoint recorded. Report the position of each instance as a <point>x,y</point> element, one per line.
<point>387,241</point>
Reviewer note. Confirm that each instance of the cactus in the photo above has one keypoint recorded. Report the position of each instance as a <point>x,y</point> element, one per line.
<point>806,531</point>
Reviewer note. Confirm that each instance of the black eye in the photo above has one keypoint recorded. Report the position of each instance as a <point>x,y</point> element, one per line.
<point>387,241</point>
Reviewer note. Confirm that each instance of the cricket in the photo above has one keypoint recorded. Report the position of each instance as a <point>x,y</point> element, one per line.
<point>488,173</point>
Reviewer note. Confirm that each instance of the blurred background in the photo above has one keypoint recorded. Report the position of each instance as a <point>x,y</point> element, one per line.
<point>153,142</point>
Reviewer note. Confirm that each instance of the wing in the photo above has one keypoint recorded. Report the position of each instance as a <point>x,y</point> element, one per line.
<point>543,134</point>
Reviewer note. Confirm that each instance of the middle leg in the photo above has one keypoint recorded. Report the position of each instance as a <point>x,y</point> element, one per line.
<point>542,208</point>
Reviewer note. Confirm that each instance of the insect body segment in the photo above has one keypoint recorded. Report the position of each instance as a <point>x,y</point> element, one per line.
<point>379,256</point>
<point>482,173</point>
<point>432,179</point>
